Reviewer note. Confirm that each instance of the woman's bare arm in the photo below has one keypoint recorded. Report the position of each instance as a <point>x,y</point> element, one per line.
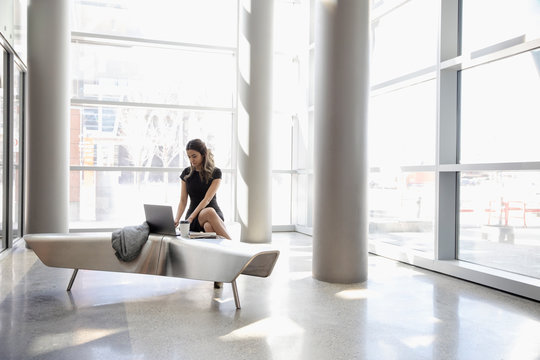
<point>182,204</point>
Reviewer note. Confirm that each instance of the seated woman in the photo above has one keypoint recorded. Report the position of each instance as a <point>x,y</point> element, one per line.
<point>201,181</point>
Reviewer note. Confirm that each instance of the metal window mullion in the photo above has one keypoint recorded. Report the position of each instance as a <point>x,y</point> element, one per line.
<point>234,150</point>
<point>515,166</point>
<point>5,113</point>
<point>22,153</point>
<point>102,39</point>
<point>447,133</point>
<point>8,151</point>
<point>131,168</point>
<point>404,81</point>
<point>463,62</point>
<point>108,103</point>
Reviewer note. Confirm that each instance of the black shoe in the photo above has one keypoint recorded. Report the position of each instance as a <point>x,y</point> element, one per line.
<point>218,285</point>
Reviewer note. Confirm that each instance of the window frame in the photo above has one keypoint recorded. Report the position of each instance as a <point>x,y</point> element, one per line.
<point>451,61</point>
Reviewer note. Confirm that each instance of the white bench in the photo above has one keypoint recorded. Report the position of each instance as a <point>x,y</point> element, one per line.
<point>216,260</point>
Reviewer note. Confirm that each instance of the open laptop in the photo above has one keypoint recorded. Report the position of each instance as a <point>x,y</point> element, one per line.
<point>160,219</point>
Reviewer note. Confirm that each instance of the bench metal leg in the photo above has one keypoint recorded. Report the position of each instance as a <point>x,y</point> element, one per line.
<point>235,293</point>
<point>75,271</point>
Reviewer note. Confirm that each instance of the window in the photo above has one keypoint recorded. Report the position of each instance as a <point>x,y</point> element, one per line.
<point>453,124</point>
<point>403,126</point>
<point>487,23</point>
<point>201,22</point>
<point>499,220</point>
<point>12,100</point>
<point>404,38</point>
<point>291,81</point>
<point>402,149</point>
<point>499,110</point>
<point>143,87</point>
<point>154,75</point>
<point>20,27</point>
<point>498,152</point>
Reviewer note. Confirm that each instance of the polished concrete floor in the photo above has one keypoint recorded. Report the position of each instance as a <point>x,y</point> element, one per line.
<point>401,312</point>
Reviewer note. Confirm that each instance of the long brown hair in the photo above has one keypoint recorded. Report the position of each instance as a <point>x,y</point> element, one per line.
<point>208,160</point>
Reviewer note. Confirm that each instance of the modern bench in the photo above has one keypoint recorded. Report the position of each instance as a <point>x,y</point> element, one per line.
<point>217,260</point>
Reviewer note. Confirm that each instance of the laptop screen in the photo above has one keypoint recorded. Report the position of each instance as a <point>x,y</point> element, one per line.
<point>160,219</point>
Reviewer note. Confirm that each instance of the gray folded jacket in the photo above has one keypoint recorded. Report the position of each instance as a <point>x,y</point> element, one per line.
<point>129,241</point>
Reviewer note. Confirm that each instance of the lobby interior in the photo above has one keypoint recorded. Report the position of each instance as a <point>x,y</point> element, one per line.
<point>444,261</point>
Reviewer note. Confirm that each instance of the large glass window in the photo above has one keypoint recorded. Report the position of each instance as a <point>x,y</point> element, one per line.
<point>142,87</point>
<point>303,163</point>
<point>208,22</point>
<point>141,138</point>
<point>291,74</point>
<point>303,201</point>
<point>401,209</point>
<point>500,108</point>
<point>488,22</point>
<point>303,135</point>
<point>404,38</point>
<point>109,199</point>
<point>281,199</point>
<point>499,209</point>
<point>402,126</point>
<point>12,94</point>
<point>153,75</point>
<point>499,220</point>
<point>453,145</point>
<point>20,27</point>
<point>401,183</point>
<point>146,137</point>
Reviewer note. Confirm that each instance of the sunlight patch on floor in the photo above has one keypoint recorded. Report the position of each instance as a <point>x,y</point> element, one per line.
<point>269,327</point>
<point>58,341</point>
<point>419,341</point>
<point>356,294</point>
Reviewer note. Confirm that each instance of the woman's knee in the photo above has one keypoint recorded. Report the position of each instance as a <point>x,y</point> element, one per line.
<point>207,227</point>
<point>208,213</point>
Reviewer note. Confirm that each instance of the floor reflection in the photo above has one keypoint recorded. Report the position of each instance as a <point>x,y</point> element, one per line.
<point>401,312</point>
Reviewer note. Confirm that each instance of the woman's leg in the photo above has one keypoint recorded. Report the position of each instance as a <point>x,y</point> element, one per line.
<point>211,222</point>
<point>209,219</point>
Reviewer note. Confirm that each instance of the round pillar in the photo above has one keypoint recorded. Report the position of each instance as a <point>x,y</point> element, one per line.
<point>47,141</point>
<point>340,167</point>
<point>254,175</point>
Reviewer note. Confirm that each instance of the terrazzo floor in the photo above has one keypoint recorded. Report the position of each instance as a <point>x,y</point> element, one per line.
<point>401,312</point>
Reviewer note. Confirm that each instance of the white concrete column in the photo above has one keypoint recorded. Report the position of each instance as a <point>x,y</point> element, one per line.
<point>47,138</point>
<point>254,176</point>
<point>340,168</point>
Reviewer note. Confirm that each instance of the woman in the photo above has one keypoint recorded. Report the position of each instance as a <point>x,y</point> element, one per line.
<point>201,181</point>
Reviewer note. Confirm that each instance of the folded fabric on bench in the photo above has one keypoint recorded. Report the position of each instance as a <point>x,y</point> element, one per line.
<point>129,241</point>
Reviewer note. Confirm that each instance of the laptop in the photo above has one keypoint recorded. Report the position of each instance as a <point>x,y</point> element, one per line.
<point>160,219</point>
